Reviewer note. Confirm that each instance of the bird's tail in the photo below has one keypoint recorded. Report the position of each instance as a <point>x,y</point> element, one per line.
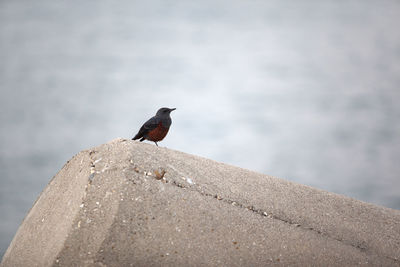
<point>139,135</point>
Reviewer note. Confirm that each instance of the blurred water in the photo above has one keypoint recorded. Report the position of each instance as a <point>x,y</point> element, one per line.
<point>306,90</point>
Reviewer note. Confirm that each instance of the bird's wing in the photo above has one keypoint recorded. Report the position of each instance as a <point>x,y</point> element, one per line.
<point>149,125</point>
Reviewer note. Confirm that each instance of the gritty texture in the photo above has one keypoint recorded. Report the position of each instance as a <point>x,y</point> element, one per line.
<point>127,203</point>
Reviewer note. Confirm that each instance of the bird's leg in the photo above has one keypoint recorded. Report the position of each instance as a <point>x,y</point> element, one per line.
<point>156,143</point>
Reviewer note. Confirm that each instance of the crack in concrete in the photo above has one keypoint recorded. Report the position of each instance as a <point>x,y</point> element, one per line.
<point>360,246</point>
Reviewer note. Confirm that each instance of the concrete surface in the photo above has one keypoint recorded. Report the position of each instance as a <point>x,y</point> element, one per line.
<point>112,206</point>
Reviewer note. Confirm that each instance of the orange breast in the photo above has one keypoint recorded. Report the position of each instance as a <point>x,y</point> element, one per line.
<point>158,133</point>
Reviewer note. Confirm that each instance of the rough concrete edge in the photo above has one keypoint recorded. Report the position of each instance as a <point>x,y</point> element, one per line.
<point>96,237</point>
<point>6,260</point>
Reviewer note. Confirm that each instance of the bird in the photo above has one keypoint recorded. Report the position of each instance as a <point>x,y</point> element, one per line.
<point>156,128</point>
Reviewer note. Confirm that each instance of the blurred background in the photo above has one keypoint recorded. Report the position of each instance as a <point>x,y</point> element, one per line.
<point>307,91</point>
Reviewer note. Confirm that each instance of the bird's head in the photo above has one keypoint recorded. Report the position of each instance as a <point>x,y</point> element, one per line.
<point>164,111</point>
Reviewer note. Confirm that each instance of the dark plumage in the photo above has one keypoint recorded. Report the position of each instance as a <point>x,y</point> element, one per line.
<point>156,128</point>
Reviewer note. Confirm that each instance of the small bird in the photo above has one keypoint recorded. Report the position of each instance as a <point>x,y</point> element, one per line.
<point>156,128</point>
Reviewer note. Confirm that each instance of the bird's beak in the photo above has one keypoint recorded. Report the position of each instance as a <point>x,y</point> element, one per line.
<point>171,109</point>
